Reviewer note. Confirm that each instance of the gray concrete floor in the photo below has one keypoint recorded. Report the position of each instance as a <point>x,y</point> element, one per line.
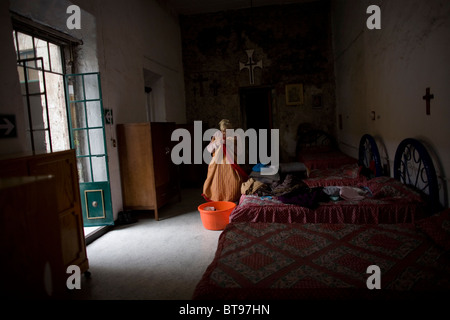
<point>151,260</point>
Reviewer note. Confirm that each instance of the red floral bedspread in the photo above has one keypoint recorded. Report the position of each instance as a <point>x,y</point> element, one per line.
<point>325,160</point>
<point>347,175</point>
<point>324,261</point>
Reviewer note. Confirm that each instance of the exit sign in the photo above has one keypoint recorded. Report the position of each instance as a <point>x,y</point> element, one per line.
<point>8,126</point>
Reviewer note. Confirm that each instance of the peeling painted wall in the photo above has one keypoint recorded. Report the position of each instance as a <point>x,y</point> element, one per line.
<point>387,71</point>
<point>120,40</point>
<point>294,44</point>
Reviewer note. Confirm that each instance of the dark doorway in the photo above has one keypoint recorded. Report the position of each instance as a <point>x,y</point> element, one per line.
<point>256,109</point>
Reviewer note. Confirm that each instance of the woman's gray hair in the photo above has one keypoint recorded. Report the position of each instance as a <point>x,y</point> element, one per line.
<point>225,124</point>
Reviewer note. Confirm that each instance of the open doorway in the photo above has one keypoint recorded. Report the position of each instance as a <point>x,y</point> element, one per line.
<point>256,110</point>
<point>256,107</point>
<point>64,111</point>
<point>154,96</point>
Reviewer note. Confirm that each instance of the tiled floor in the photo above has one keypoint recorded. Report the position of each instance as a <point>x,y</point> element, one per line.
<point>154,260</point>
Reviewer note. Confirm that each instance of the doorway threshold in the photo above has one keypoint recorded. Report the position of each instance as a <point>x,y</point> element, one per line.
<point>90,230</point>
<point>93,233</point>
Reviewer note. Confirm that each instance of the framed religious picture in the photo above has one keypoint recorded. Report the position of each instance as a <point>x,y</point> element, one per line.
<point>294,94</point>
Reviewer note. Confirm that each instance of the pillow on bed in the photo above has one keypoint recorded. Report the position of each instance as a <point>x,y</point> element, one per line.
<point>351,170</point>
<point>348,171</point>
<point>390,188</point>
<point>437,227</point>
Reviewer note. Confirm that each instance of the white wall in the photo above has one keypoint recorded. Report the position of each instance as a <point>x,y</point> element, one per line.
<point>10,100</point>
<point>388,70</point>
<point>133,35</point>
<point>120,40</point>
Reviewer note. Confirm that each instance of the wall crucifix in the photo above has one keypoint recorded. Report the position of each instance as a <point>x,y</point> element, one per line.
<point>427,97</point>
<point>250,65</point>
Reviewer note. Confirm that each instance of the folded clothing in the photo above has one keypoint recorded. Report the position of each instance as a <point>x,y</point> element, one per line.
<point>332,191</point>
<point>347,192</point>
<point>352,193</point>
<point>251,186</point>
<point>264,178</point>
<point>309,198</point>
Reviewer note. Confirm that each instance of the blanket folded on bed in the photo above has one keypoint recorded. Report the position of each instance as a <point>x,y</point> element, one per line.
<point>290,184</point>
<point>292,190</point>
<point>307,198</point>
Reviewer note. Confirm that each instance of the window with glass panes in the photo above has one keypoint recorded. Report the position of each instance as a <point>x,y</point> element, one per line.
<point>40,65</point>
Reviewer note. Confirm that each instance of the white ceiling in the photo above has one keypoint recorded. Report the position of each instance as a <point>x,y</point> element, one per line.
<point>187,7</point>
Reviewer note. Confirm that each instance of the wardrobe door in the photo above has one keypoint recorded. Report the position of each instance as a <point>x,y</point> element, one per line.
<point>32,266</point>
<point>136,166</point>
<point>166,178</point>
<point>63,166</point>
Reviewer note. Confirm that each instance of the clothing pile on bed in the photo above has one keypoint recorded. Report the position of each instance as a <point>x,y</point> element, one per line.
<point>293,190</point>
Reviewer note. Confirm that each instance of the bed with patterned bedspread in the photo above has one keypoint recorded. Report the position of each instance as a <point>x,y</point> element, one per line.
<point>318,149</point>
<point>330,261</point>
<point>411,194</point>
<point>387,200</point>
<point>348,174</point>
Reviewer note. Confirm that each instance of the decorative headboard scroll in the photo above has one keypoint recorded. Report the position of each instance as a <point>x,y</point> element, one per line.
<point>368,152</point>
<point>413,166</point>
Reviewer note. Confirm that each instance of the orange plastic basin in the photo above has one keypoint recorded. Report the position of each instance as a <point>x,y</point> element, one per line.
<point>218,219</point>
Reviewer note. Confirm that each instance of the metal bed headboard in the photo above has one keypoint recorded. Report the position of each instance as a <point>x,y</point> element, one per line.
<point>368,152</point>
<point>413,166</point>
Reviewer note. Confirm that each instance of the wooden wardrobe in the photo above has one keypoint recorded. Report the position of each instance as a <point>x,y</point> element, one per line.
<point>44,209</point>
<point>149,177</point>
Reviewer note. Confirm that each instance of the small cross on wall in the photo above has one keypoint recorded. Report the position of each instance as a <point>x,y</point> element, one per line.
<point>427,97</point>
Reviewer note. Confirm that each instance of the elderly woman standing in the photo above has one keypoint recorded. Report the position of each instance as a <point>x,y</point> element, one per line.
<point>225,176</point>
